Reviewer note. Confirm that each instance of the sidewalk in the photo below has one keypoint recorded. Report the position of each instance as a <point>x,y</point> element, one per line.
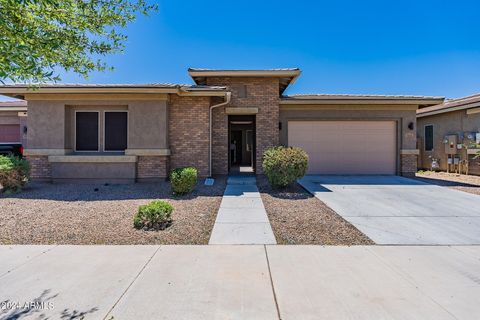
<point>240,282</point>
<point>242,218</point>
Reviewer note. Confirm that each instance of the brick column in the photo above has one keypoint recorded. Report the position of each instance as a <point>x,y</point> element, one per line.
<point>408,165</point>
<point>40,168</point>
<point>152,167</point>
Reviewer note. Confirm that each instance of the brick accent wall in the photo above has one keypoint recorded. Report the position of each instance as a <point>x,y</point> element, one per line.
<point>40,168</point>
<point>219,141</point>
<point>188,132</point>
<point>151,167</point>
<point>408,164</point>
<point>262,93</point>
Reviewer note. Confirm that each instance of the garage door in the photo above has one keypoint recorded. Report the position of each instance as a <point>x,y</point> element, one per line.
<point>346,147</point>
<point>9,133</point>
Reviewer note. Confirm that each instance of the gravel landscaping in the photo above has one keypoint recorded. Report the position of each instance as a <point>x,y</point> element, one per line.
<point>297,217</point>
<point>102,214</point>
<point>470,184</point>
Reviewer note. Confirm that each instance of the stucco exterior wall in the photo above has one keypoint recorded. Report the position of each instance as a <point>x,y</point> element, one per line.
<point>455,122</point>
<point>52,132</point>
<point>403,115</point>
<point>261,93</point>
<point>104,172</point>
<point>46,124</point>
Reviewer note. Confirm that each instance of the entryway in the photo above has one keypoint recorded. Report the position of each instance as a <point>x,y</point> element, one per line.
<point>241,144</point>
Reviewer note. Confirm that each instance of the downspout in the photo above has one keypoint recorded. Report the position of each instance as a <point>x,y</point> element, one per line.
<point>228,96</point>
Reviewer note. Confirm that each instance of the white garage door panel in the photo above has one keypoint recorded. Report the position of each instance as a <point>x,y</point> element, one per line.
<point>9,133</point>
<point>346,147</point>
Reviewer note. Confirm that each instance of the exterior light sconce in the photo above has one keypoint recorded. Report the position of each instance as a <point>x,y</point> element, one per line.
<point>279,126</point>
<point>411,126</point>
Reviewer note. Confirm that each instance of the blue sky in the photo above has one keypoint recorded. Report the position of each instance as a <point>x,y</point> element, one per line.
<point>376,47</point>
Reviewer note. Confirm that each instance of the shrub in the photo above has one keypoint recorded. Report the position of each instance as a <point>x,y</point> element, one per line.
<point>14,173</point>
<point>155,215</point>
<point>183,180</point>
<point>284,165</point>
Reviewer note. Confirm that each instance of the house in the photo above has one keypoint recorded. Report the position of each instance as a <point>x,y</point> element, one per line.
<point>457,122</point>
<point>221,124</point>
<point>13,122</point>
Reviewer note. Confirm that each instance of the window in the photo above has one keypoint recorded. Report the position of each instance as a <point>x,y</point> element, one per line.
<point>115,130</point>
<point>429,137</point>
<point>86,131</point>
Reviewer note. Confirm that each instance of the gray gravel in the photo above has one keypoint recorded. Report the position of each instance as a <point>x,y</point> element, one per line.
<point>47,213</point>
<point>297,217</point>
<point>470,183</point>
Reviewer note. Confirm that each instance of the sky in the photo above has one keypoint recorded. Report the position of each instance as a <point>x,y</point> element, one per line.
<point>356,47</point>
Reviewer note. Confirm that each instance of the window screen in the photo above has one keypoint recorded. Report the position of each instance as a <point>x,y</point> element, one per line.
<point>115,131</point>
<point>86,131</point>
<point>429,138</point>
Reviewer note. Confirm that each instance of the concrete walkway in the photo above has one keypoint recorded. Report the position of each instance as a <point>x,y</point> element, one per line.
<point>397,210</point>
<point>239,282</point>
<point>242,218</point>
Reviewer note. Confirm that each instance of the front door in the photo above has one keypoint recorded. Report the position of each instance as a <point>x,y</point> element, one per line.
<point>241,139</point>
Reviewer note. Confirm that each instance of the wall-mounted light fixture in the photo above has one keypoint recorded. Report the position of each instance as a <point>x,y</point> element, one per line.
<point>25,130</point>
<point>279,126</point>
<point>411,126</point>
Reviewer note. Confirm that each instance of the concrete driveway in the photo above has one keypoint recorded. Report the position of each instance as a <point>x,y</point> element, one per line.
<point>239,282</point>
<point>397,210</point>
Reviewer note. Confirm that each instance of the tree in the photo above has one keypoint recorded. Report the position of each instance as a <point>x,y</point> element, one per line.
<point>40,37</point>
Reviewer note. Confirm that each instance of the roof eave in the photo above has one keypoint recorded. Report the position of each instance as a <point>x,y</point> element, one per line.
<point>393,101</point>
<point>288,76</point>
<point>20,92</point>
<point>19,109</point>
<point>421,113</point>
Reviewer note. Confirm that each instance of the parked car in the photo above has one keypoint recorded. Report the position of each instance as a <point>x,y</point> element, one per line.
<point>15,149</point>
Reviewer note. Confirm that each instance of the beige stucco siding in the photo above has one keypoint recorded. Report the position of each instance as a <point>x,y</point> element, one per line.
<point>46,125</point>
<point>148,125</point>
<point>456,122</point>
<point>52,122</point>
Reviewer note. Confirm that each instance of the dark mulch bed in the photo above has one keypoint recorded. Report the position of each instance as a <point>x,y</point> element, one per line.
<point>77,214</point>
<point>297,217</point>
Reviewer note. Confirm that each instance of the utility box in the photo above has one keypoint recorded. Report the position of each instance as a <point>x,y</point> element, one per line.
<point>451,144</point>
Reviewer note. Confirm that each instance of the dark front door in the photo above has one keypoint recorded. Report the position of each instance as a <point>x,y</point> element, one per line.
<point>241,144</point>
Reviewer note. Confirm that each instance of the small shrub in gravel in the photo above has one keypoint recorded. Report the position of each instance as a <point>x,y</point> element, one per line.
<point>14,173</point>
<point>284,165</point>
<point>183,180</point>
<point>156,215</point>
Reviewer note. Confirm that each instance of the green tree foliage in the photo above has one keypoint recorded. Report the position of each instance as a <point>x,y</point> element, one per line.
<point>39,37</point>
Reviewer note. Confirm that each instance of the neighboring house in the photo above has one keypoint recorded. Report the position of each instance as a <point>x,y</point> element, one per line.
<point>128,132</point>
<point>459,118</point>
<point>13,122</point>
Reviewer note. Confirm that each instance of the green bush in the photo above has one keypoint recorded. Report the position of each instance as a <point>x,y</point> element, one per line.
<point>183,180</point>
<point>284,165</point>
<point>155,215</point>
<point>14,173</point>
